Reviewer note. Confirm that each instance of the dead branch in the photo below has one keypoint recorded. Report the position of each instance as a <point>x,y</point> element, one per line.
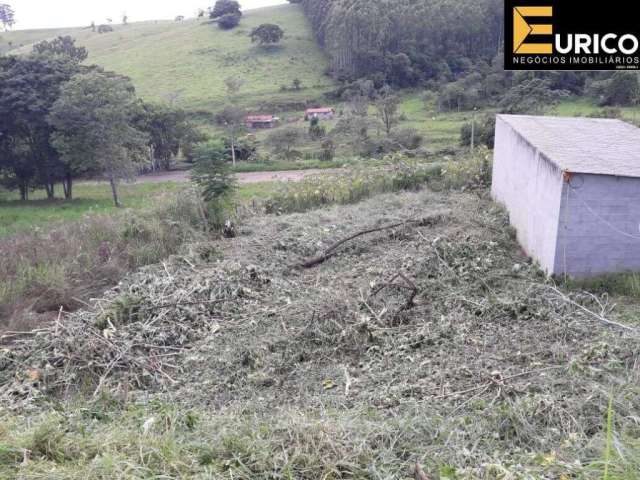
<point>501,381</point>
<point>593,314</point>
<point>407,285</point>
<point>331,251</point>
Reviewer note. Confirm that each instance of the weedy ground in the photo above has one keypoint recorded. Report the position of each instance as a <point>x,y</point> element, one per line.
<point>434,343</point>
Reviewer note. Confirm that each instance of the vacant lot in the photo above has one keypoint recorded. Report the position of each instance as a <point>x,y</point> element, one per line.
<point>432,342</point>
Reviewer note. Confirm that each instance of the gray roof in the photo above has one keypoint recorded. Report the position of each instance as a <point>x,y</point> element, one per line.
<point>583,145</point>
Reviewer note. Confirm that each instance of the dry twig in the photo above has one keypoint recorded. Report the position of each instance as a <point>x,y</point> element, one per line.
<point>332,250</point>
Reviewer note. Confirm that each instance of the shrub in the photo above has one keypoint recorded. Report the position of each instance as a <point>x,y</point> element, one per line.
<point>607,112</point>
<point>284,140</point>
<point>267,34</point>
<point>407,138</point>
<point>316,131</point>
<point>622,89</point>
<point>472,171</point>
<point>245,148</point>
<point>485,131</point>
<point>328,150</point>
<point>211,172</point>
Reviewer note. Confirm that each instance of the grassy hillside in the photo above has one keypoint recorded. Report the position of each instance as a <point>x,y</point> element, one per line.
<point>20,40</point>
<point>187,62</point>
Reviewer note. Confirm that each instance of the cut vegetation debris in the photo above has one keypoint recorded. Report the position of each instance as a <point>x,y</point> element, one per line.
<point>427,350</point>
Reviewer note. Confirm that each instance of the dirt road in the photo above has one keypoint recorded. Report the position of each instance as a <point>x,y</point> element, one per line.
<point>251,177</point>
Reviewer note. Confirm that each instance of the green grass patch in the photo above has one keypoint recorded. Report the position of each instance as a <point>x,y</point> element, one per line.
<point>626,284</point>
<point>94,198</point>
<point>90,198</point>
<point>255,191</point>
<point>187,62</point>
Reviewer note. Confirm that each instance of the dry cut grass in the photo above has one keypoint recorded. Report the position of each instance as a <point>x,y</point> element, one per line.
<point>433,342</point>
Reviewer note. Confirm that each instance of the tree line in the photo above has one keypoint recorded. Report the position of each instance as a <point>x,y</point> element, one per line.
<point>451,48</point>
<point>60,120</point>
<point>405,42</point>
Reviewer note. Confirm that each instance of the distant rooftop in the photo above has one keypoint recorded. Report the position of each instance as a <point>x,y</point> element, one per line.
<point>260,118</point>
<point>582,145</point>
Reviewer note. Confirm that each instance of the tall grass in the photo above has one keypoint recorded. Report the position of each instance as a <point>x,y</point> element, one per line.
<point>351,186</point>
<point>620,458</point>
<point>65,265</point>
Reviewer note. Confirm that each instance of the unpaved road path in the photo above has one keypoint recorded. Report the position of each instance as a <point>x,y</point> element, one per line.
<point>250,177</point>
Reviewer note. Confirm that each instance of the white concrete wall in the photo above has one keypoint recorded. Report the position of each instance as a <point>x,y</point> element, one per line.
<point>530,187</point>
<point>599,230</point>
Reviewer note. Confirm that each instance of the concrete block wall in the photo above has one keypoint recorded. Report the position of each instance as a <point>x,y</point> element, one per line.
<point>599,227</point>
<point>530,187</point>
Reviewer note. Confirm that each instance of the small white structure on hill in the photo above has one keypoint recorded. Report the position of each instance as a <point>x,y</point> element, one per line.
<point>324,113</point>
<point>572,189</point>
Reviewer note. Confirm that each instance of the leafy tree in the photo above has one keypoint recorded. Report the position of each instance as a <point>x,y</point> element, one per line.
<point>284,140</point>
<point>225,7</point>
<point>244,148</point>
<point>316,130</point>
<point>267,34</point>
<point>229,21</point>
<point>484,132</point>
<point>621,90</point>
<point>211,171</point>
<point>7,16</point>
<point>169,132</point>
<point>531,96</point>
<point>95,129</point>
<point>458,96</point>
<point>29,86</point>
<point>231,119</point>
<point>62,46</point>
<point>328,150</point>
<point>387,106</point>
<point>406,42</point>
